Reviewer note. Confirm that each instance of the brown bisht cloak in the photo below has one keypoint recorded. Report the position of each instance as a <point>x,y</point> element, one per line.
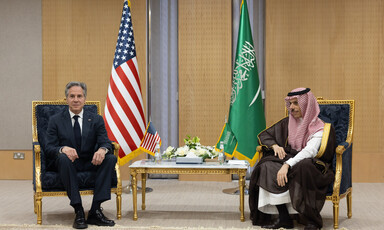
<point>308,180</point>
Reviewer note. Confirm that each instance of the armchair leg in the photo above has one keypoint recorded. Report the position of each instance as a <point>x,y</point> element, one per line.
<point>34,204</point>
<point>336,214</point>
<point>39,204</point>
<point>349,204</point>
<point>118,205</point>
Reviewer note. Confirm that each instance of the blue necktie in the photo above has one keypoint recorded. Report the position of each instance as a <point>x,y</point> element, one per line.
<point>77,131</point>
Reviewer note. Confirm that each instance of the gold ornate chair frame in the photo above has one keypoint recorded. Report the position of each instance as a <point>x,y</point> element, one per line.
<point>336,196</point>
<point>38,193</point>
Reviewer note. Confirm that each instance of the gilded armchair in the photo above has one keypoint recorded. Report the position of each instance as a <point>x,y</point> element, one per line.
<point>46,181</point>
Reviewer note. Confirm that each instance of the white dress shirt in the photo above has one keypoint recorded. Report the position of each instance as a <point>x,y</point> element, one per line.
<point>80,119</point>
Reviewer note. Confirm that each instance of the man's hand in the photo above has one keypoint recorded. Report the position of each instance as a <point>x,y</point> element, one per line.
<point>282,178</point>
<point>99,156</point>
<point>279,151</point>
<point>70,152</point>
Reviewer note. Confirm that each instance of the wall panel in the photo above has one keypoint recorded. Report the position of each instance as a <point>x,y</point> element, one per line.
<point>337,49</point>
<point>20,70</point>
<point>204,71</point>
<point>204,68</point>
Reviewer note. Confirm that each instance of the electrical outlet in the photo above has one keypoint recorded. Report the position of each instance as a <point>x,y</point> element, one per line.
<point>18,156</point>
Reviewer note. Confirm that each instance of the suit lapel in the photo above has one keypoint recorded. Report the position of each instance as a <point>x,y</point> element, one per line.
<point>87,121</point>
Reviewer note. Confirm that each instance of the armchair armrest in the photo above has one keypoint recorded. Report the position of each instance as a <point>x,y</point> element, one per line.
<point>116,148</point>
<point>341,148</point>
<point>343,144</point>
<point>259,150</point>
<point>37,166</point>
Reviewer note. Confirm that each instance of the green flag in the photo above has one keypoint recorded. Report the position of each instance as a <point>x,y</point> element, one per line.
<point>246,114</point>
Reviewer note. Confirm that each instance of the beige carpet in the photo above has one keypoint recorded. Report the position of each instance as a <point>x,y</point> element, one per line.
<point>115,227</point>
<point>176,205</point>
<point>15,227</point>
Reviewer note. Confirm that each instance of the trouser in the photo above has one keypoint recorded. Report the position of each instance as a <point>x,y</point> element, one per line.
<point>68,175</point>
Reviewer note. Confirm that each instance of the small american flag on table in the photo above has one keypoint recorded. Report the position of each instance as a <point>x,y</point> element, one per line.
<point>151,138</point>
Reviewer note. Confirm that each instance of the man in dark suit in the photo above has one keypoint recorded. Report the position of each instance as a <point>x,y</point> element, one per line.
<point>79,142</point>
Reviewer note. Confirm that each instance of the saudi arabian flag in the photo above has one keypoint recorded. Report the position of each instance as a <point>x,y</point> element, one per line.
<point>246,114</point>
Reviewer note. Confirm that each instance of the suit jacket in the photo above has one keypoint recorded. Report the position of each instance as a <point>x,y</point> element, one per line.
<point>60,133</point>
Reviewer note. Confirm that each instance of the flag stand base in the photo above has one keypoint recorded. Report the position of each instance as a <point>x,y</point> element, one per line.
<point>236,191</point>
<point>128,189</point>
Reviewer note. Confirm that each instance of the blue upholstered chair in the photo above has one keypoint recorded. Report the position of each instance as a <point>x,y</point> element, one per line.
<point>46,181</point>
<point>340,113</point>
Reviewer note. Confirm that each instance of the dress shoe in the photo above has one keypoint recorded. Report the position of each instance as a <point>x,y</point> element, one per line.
<point>280,224</point>
<point>261,222</point>
<point>311,226</point>
<point>98,218</point>
<point>79,222</point>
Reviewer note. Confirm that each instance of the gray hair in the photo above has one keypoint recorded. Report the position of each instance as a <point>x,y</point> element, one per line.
<point>76,83</point>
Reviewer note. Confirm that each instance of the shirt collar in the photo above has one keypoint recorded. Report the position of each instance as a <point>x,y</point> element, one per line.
<point>73,114</point>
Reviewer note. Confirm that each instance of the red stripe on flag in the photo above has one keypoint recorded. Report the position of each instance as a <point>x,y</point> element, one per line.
<point>132,66</point>
<point>113,138</point>
<point>129,87</point>
<point>119,124</point>
<point>125,106</point>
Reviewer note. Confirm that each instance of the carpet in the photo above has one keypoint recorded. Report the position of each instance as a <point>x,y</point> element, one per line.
<point>11,226</point>
<point>25,226</point>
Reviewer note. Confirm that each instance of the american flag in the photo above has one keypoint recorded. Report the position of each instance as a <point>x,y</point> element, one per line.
<point>151,138</point>
<point>124,112</point>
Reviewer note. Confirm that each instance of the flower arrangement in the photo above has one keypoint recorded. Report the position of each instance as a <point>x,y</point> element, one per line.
<point>192,148</point>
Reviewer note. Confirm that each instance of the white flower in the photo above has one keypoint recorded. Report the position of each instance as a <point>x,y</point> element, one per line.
<point>210,148</point>
<point>182,151</point>
<point>201,152</point>
<point>169,149</point>
<point>192,148</point>
<point>168,152</point>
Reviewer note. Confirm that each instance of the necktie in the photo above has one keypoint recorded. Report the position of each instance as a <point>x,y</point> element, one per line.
<point>77,131</point>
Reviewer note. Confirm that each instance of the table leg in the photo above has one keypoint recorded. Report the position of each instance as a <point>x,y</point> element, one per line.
<point>241,187</point>
<point>134,192</point>
<point>143,186</point>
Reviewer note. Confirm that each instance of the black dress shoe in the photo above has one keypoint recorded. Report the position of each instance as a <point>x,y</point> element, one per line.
<point>98,218</point>
<point>311,226</point>
<point>79,222</point>
<point>280,224</point>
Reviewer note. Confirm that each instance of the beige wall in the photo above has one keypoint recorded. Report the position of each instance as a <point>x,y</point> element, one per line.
<point>20,70</point>
<point>337,49</point>
<point>205,44</point>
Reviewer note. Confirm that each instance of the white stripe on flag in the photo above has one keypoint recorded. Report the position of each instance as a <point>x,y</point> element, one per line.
<point>128,72</point>
<point>116,132</point>
<point>123,117</point>
<point>128,99</point>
